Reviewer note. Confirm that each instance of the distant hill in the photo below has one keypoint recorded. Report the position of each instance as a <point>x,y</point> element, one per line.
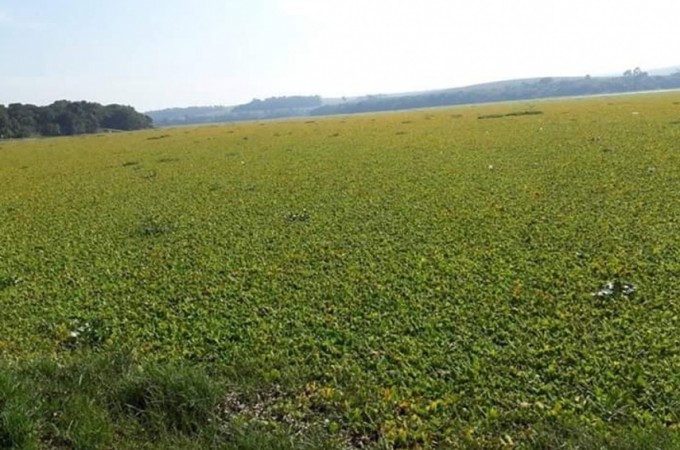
<point>270,108</point>
<point>527,89</point>
<point>523,89</point>
<point>277,104</point>
<point>665,71</point>
<point>191,115</point>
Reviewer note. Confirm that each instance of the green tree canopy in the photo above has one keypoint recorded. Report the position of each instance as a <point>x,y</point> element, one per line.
<point>65,118</point>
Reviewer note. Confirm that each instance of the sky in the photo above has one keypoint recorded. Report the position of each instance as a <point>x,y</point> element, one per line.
<point>154,54</point>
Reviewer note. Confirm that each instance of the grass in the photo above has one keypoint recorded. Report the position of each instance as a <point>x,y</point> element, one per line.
<point>94,401</point>
<point>99,401</point>
<point>421,279</point>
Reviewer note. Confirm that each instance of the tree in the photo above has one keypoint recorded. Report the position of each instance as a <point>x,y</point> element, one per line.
<point>5,130</point>
<point>23,120</point>
<point>638,73</point>
<point>635,73</point>
<point>120,117</point>
<point>67,118</point>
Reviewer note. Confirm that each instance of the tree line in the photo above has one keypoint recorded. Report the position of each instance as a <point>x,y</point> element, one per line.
<point>631,81</point>
<point>269,108</point>
<point>527,89</point>
<point>65,118</point>
<point>279,103</point>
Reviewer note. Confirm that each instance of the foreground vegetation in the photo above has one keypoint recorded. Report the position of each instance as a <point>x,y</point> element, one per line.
<point>423,279</point>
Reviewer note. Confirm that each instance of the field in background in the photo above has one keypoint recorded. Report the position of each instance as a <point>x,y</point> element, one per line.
<point>397,280</point>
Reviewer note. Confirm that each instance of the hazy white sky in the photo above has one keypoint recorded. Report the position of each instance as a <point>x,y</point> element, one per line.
<point>162,53</point>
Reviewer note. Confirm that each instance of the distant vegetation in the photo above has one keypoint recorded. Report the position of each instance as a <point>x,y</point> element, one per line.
<point>277,107</point>
<point>631,81</point>
<point>280,103</point>
<point>191,115</point>
<point>64,118</point>
<point>270,108</point>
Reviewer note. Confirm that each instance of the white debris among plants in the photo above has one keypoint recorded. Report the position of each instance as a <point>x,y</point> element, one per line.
<point>615,288</point>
